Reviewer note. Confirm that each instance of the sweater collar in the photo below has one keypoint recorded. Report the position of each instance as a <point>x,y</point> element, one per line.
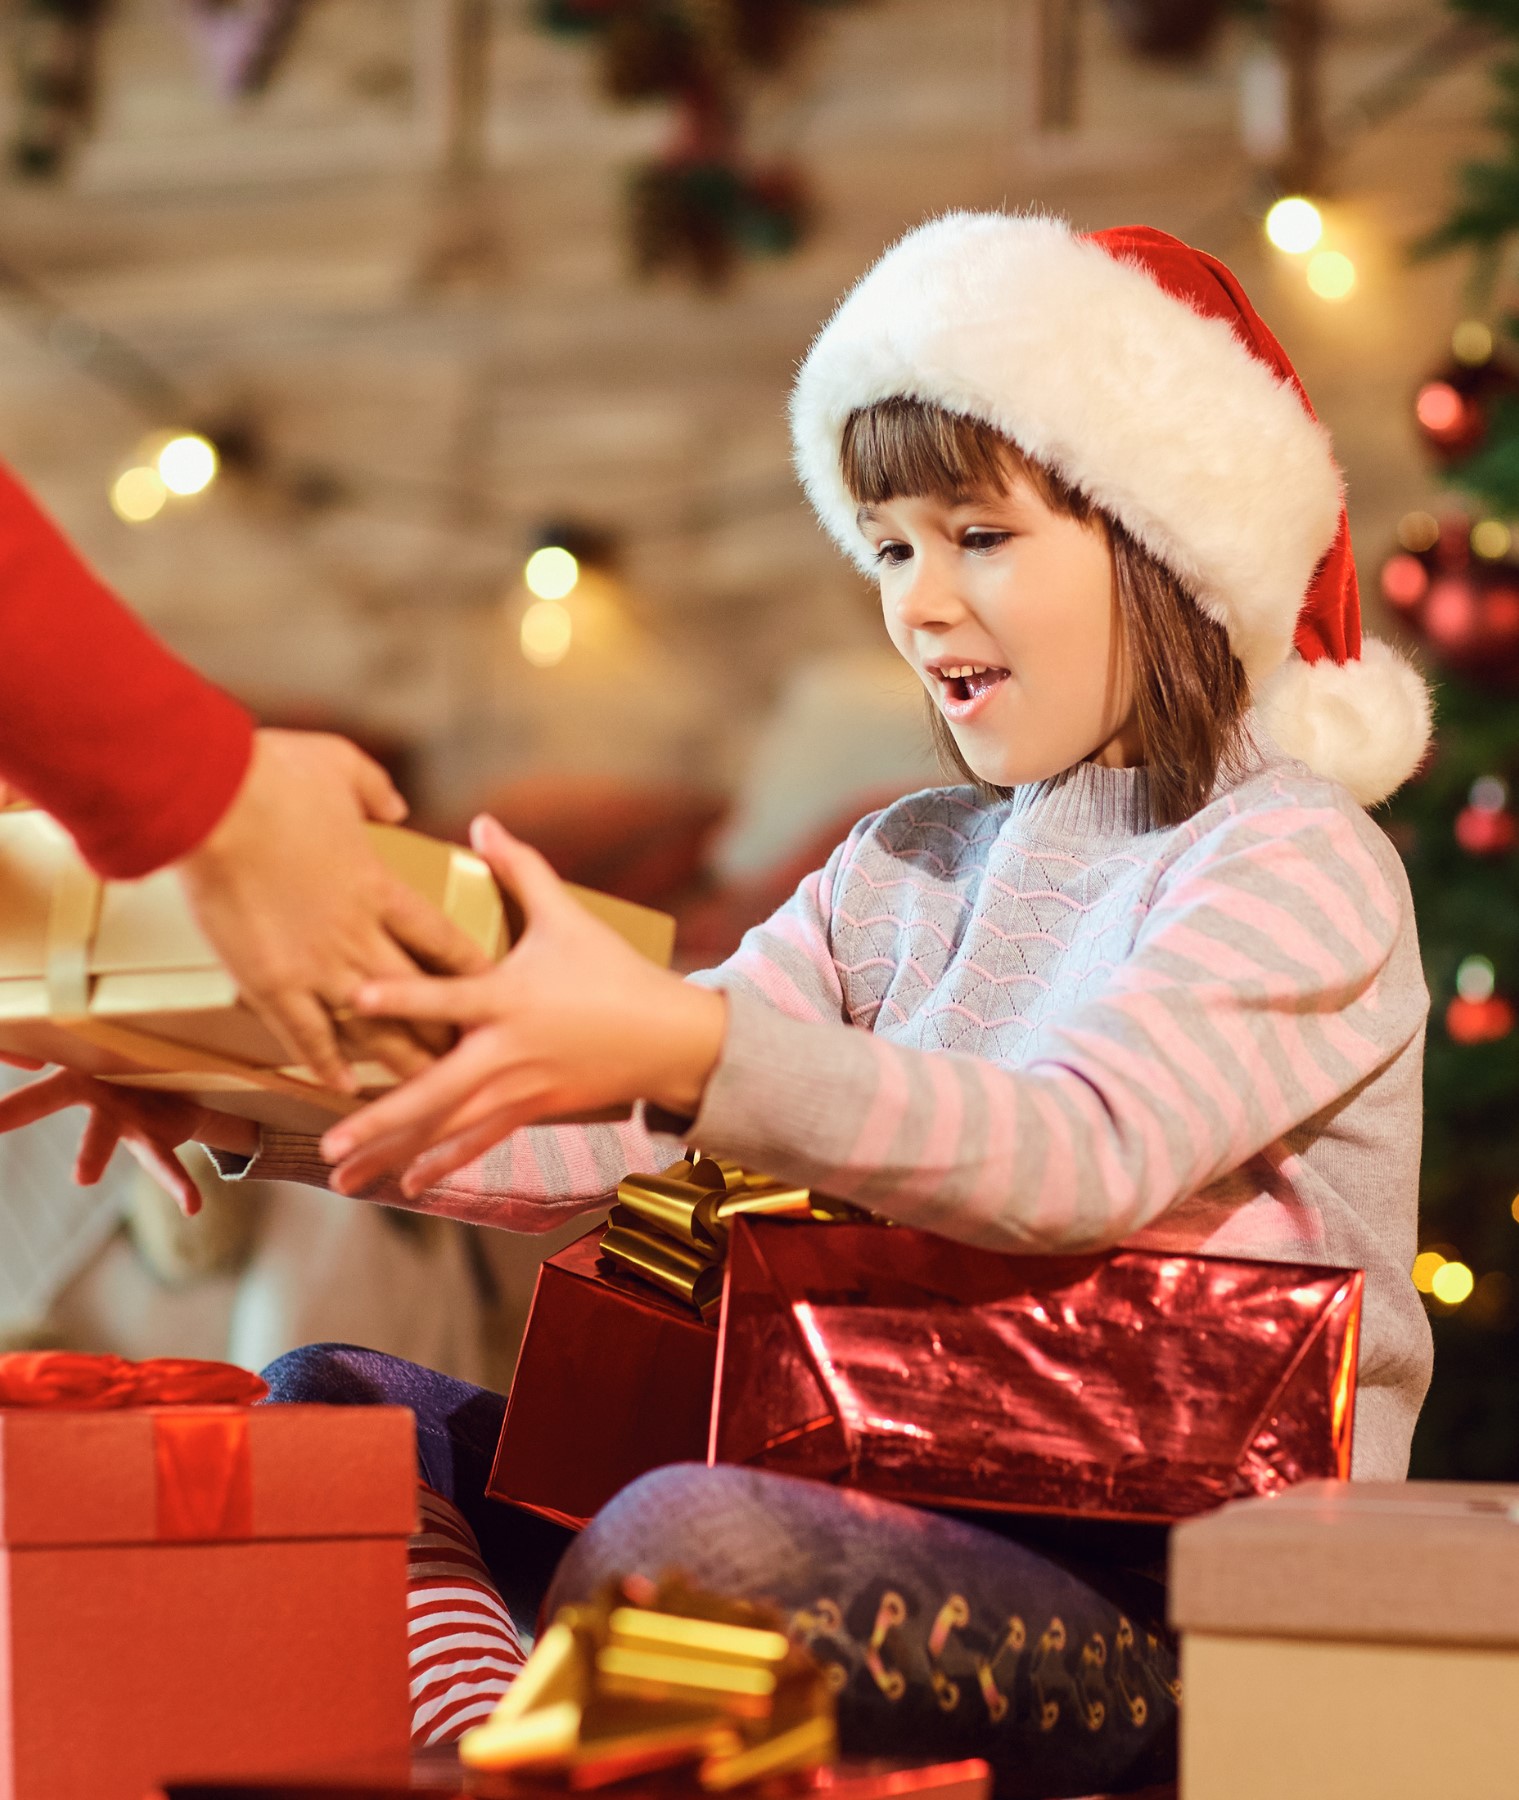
<point>1088,802</point>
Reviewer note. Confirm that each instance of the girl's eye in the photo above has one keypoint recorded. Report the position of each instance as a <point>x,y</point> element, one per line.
<point>893,554</point>
<point>984,541</point>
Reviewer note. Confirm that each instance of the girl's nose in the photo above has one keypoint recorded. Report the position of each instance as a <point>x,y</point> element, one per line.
<point>928,599</point>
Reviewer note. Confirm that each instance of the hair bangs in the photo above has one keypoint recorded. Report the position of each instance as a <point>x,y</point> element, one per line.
<point>902,449</point>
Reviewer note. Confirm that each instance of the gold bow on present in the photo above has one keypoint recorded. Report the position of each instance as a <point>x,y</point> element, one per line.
<point>672,1228</point>
<point>651,1676</point>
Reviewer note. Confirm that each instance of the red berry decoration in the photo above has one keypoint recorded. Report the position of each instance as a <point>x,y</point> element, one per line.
<point>1478,1014</point>
<point>1485,826</point>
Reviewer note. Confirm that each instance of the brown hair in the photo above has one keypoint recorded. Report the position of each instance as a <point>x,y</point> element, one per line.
<point>1190,691</point>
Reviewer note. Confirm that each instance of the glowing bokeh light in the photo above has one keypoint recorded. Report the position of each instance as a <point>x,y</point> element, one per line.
<point>1418,531</point>
<point>1294,225</point>
<point>551,573</point>
<point>1491,539</point>
<point>187,464</point>
<point>1405,581</point>
<point>1331,274</point>
<point>546,633</point>
<point>137,495</point>
<point>1440,409</point>
<point>1451,1283</point>
<point>1426,1263</point>
<point>1472,343</point>
<point>1476,979</point>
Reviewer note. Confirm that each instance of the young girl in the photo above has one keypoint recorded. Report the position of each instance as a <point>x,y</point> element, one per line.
<point>1149,976</point>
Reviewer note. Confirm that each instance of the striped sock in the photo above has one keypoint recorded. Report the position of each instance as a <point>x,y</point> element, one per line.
<point>464,1649</point>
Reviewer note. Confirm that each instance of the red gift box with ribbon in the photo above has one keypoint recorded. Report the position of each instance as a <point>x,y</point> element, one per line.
<point>191,1584</point>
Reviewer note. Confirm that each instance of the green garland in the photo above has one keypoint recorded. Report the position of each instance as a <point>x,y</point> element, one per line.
<point>704,205</point>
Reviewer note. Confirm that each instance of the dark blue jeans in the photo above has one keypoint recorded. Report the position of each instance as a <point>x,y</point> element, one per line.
<point>943,1637</point>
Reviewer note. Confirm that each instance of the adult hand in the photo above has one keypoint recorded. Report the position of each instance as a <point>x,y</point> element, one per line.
<point>151,1126</point>
<point>573,1020</point>
<point>301,908</point>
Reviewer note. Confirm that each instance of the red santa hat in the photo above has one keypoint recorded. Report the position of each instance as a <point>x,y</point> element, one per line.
<point>1134,367</point>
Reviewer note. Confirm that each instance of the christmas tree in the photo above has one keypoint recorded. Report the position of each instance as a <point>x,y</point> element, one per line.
<point>1455,581</point>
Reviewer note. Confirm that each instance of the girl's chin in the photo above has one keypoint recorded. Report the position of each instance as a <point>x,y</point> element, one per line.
<point>998,766</point>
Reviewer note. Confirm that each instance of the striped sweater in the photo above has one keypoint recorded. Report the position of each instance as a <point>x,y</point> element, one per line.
<point>1048,1024</point>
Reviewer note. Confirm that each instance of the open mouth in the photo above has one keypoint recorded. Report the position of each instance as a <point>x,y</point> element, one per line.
<point>964,686</point>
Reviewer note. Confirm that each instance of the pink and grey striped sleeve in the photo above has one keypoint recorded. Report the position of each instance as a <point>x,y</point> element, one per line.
<point>1271,974</point>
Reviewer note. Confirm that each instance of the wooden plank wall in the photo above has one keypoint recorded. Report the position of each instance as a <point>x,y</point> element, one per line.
<point>472,354</point>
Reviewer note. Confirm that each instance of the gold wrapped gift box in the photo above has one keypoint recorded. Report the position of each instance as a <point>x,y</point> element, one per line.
<point>116,979</point>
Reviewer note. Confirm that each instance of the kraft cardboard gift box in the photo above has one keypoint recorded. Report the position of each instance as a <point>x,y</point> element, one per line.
<point>210,1589</point>
<point>116,979</point>
<point>1359,1639</point>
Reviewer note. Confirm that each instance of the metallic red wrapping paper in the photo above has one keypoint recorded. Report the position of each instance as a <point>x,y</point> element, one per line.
<point>1132,1385</point>
<point>614,1379</point>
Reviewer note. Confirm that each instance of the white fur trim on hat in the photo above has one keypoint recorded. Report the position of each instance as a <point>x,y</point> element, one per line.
<point>1364,723</point>
<point>1159,414</point>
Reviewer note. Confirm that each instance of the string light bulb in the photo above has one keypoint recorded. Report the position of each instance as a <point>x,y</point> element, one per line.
<point>138,494</point>
<point>1452,1283</point>
<point>187,463</point>
<point>551,573</point>
<point>1426,1265</point>
<point>1294,225</point>
<point>1491,539</point>
<point>1472,343</point>
<point>546,633</point>
<point>1331,274</point>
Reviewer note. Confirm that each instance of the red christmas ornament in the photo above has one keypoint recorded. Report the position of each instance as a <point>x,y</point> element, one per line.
<point>1465,608</point>
<point>1453,407</point>
<point>1479,1021</point>
<point>1483,833</point>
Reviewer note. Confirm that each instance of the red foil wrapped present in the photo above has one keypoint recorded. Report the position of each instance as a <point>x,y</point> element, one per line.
<point>614,1379</point>
<point>1132,1385</point>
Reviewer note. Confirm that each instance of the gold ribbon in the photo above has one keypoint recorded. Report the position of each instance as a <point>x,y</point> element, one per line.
<point>650,1677</point>
<point>671,1229</point>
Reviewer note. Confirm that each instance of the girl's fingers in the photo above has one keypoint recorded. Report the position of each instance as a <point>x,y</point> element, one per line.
<point>426,1100</point>
<point>396,1149</point>
<point>40,1099</point>
<point>439,1162</point>
<point>527,877</point>
<point>21,1062</point>
<point>97,1145</point>
<point>167,1170</point>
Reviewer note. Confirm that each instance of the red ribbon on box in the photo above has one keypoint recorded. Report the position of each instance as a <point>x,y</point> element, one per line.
<point>203,1461</point>
<point>92,1383</point>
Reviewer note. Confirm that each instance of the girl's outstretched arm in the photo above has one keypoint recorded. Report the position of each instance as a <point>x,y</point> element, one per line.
<point>1273,975</point>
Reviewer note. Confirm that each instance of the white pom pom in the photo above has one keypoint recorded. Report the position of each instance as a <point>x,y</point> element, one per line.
<point>1365,724</point>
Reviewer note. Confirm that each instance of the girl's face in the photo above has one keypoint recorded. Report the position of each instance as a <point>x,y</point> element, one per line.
<point>1009,614</point>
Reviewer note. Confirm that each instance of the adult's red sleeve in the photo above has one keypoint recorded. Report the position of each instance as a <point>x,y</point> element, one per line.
<point>100,725</point>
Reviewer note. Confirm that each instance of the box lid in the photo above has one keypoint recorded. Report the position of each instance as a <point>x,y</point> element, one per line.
<point>1410,1562</point>
<point>153,1474</point>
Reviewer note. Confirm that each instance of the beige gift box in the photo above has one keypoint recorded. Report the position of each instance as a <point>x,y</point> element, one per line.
<point>116,979</point>
<point>1354,1639</point>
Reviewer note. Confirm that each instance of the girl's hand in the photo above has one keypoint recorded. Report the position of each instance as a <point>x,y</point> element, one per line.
<point>573,1020</point>
<point>151,1126</point>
